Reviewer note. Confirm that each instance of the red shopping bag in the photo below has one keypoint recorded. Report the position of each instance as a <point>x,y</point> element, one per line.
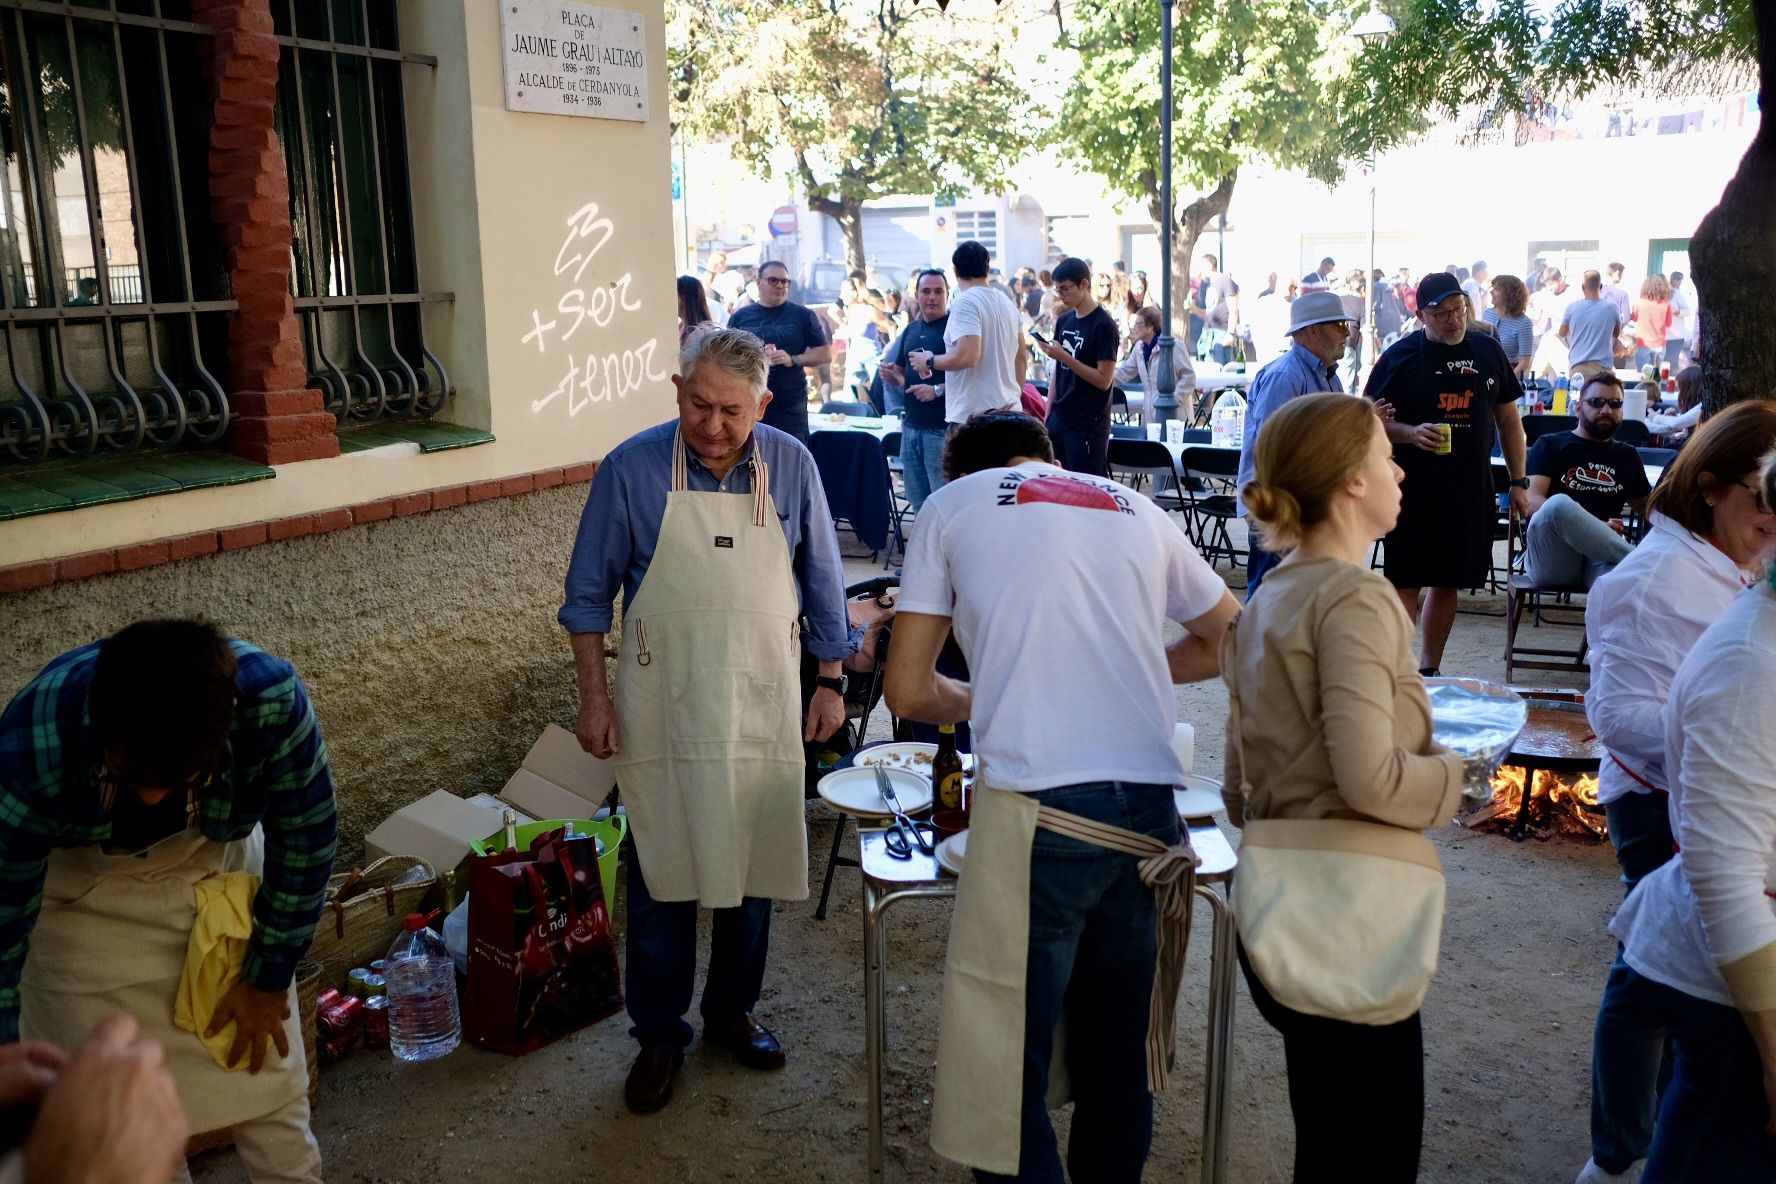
<point>542,959</point>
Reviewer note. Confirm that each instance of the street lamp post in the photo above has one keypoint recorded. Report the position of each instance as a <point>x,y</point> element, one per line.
<point>1374,26</point>
<point>1165,400</point>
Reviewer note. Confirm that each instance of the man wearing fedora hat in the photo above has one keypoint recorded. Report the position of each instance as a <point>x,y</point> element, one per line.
<point>1318,327</point>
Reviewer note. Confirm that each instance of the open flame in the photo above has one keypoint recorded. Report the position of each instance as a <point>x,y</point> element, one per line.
<point>1554,801</point>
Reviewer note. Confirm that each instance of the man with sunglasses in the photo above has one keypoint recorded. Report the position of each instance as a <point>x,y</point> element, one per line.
<point>1453,392</point>
<point>132,769</point>
<point>794,340</point>
<point>1578,482</point>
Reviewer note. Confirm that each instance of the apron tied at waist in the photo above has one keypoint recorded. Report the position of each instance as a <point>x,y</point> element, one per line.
<point>1171,873</point>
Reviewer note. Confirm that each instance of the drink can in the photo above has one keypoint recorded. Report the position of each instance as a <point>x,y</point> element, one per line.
<point>327,998</point>
<point>354,980</point>
<point>334,1046</point>
<point>1446,445</point>
<point>375,986</point>
<point>376,1022</point>
<point>380,966</point>
<point>346,1013</point>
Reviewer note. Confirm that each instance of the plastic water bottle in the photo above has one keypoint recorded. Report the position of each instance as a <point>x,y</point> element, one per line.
<point>424,1022</point>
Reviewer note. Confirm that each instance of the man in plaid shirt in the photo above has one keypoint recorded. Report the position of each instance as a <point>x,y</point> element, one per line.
<point>151,742</point>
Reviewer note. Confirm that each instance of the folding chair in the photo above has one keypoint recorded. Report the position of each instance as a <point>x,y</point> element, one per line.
<point>1537,426</point>
<point>899,508</point>
<point>1143,459</point>
<point>1524,595</point>
<point>1215,505</point>
<point>1120,412</point>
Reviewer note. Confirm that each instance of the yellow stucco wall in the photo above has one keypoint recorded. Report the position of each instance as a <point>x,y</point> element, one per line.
<point>528,219</point>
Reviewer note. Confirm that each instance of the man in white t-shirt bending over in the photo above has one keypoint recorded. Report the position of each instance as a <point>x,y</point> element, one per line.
<point>983,358</point>
<point>1058,586</point>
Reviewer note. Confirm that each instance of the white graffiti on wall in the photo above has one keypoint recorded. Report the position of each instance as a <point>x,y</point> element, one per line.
<point>593,376</point>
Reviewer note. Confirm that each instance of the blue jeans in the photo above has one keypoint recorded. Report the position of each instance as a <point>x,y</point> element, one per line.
<point>1258,563</point>
<point>921,462</point>
<point>1092,956</point>
<point>661,944</point>
<point>1630,1064</point>
<point>1711,1120</point>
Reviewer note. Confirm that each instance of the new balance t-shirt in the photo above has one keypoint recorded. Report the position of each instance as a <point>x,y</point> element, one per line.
<point>1601,475</point>
<point>1091,339</point>
<point>1058,586</point>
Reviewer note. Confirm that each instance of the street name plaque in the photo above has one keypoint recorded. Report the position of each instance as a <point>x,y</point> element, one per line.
<point>564,57</point>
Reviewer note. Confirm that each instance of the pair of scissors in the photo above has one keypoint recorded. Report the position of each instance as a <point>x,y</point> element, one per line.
<point>905,834</point>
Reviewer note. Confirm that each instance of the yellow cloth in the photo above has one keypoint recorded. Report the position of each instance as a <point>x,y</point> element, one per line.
<point>214,959</point>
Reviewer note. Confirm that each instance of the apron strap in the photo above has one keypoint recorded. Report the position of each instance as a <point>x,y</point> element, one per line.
<point>1171,873</point>
<point>761,479</point>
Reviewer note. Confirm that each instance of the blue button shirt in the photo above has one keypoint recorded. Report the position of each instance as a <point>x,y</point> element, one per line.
<point>621,527</point>
<point>1294,374</point>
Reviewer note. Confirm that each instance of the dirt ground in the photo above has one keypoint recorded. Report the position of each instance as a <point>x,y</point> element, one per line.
<point>1507,1033</point>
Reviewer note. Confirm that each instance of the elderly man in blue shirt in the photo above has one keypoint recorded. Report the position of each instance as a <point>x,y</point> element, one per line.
<point>716,531</point>
<point>1318,327</point>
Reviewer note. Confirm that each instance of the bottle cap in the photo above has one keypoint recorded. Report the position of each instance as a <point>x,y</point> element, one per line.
<point>946,729</point>
<point>415,921</point>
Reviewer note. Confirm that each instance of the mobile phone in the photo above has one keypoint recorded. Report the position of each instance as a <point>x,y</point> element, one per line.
<point>1040,339</point>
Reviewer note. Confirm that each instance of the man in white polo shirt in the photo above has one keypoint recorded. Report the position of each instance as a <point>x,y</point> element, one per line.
<point>983,358</point>
<point>1056,584</point>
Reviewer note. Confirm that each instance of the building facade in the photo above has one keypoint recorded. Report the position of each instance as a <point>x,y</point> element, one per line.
<point>308,333</point>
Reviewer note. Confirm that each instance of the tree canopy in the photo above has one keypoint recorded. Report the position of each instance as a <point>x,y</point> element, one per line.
<point>855,100</point>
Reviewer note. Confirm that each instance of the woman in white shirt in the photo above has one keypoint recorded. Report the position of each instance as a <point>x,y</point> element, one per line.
<point>1699,934</point>
<point>1642,620</point>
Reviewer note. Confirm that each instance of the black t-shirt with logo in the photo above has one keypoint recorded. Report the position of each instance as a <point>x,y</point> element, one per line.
<point>1601,475</point>
<point>921,334</point>
<point>1448,505</point>
<point>1090,339</point>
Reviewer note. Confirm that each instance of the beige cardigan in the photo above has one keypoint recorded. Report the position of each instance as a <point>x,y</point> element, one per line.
<point>1335,719</point>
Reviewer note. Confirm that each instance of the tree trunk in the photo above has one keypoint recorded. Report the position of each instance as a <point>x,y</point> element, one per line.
<point>1193,219</point>
<point>848,213</point>
<point>1731,256</point>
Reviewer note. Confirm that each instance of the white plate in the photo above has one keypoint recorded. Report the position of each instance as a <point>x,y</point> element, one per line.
<point>911,755</point>
<point>1200,797</point>
<point>951,852</point>
<point>854,791</point>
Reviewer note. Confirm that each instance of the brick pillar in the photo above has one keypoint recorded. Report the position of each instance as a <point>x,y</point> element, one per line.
<point>276,417</point>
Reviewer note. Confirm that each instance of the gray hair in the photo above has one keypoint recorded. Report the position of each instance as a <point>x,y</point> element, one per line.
<point>733,350</point>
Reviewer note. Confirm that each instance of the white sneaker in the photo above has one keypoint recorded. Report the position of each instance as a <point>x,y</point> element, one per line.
<point>1592,1174</point>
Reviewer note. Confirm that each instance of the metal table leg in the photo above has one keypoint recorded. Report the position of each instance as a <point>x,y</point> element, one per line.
<point>874,1022</point>
<point>1220,1038</point>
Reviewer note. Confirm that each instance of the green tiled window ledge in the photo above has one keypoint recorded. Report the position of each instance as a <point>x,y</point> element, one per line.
<point>69,485</point>
<point>430,436</point>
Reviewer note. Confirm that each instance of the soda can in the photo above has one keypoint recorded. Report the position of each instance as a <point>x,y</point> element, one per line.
<point>355,980</point>
<point>375,986</point>
<point>1446,444</point>
<point>376,1022</point>
<point>346,1013</point>
<point>334,1046</point>
<point>380,966</point>
<point>326,999</point>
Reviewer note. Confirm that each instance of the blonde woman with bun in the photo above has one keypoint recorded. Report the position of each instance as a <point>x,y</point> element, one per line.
<point>1338,923</point>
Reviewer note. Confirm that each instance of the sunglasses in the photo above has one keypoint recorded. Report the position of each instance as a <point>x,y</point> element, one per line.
<point>1600,404</point>
<point>1757,497</point>
<point>776,281</point>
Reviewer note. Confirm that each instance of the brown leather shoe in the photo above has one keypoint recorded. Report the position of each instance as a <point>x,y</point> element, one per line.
<point>649,1087</point>
<point>750,1041</point>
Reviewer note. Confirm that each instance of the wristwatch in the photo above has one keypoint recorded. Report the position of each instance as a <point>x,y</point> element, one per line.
<point>1520,482</point>
<point>832,684</point>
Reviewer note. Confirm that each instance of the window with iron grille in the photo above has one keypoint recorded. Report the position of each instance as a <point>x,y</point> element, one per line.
<point>343,125</point>
<point>980,225</point>
<point>114,291</point>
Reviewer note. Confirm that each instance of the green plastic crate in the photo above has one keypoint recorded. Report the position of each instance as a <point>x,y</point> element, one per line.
<point>611,831</point>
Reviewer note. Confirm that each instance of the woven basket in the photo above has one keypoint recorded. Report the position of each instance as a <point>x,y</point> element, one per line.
<point>308,989</point>
<point>365,913</point>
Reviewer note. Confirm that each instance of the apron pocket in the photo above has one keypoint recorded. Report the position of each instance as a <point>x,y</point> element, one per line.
<point>725,706</point>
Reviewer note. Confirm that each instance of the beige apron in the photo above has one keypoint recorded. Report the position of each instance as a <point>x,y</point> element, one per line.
<point>977,1103</point>
<point>112,937</point>
<point>708,682</point>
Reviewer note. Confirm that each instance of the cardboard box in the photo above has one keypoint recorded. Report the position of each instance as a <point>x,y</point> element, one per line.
<point>437,828</point>
<point>559,779</point>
